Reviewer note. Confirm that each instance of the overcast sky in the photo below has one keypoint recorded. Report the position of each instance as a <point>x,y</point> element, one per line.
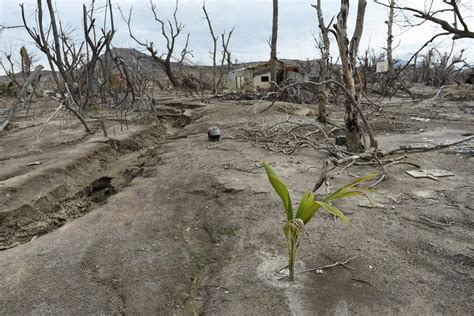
<point>252,21</point>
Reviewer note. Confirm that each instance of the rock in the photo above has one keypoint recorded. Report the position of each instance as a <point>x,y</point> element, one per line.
<point>426,194</point>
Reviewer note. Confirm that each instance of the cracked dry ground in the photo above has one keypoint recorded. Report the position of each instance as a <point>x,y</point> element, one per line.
<point>201,233</point>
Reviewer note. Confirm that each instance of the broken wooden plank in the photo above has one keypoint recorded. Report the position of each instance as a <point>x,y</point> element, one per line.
<point>433,174</point>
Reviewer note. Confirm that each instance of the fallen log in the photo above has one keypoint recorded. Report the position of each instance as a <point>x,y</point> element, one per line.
<point>371,153</point>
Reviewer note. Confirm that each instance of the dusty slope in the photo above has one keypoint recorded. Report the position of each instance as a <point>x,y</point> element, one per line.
<point>202,234</point>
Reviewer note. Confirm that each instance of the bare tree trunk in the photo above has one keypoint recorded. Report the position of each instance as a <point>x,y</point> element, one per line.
<point>214,51</point>
<point>225,56</point>
<point>25,62</point>
<point>348,53</point>
<point>57,48</point>
<point>390,38</point>
<point>324,63</point>
<point>354,44</point>
<point>359,28</point>
<point>273,49</point>
<point>415,70</point>
<point>169,72</point>
<point>229,57</point>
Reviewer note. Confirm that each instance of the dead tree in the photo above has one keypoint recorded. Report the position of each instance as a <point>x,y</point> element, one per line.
<point>217,81</point>
<point>10,70</point>
<point>54,53</point>
<point>107,62</point>
<point>170,30</point>
<point>273,46</point>
<point>455,26</point>
<point>226,56</point>
<point>389,48</point>
<point>95,47</point>
<point>387,82</point>
<point>348,52</point>
<point>449,67</point>
<point>11,112</point>
<point>65,58</point>
<point>324,62</point>
<point>26,62</point>
<point>368,65</point>
<point>438,69</point>
<point>214,50</point>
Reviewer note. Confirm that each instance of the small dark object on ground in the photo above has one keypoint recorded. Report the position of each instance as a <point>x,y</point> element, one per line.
<point>470,78</point>
<point>340,140</point>
<point>214,134</point>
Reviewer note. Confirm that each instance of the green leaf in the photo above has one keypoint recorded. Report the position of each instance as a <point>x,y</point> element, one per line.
<point>307,208</point>
<point>333,210</point>
<point>309,212</point>
<point>280,189</point>
<point>357,192</point>
<point>305,202</point>
<point>338,194</point>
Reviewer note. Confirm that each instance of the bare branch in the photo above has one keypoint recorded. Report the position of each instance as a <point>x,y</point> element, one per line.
<point>450,27</point>
<point>214,48</point>
<point>170,30</point>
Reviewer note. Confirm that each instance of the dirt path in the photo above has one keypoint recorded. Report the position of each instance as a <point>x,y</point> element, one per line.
<point>201,232</point>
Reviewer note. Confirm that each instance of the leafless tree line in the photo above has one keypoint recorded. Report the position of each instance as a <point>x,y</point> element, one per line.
<point>75,64</point>
<point>84,68</point>
<point>435,68</point>
<point>217,79</point>
<point>359,72</point>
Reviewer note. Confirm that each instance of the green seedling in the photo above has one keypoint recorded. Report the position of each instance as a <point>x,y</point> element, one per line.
<point>308,207</point>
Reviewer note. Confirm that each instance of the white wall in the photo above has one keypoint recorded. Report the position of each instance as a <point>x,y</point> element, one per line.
<point>257,81</point>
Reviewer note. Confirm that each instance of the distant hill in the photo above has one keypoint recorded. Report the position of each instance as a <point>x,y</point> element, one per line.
<point>135,59</point>
<point>141,61</point>
<point>399,63</point>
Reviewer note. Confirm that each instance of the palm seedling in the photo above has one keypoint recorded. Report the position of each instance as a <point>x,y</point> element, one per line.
<point>308,207</point>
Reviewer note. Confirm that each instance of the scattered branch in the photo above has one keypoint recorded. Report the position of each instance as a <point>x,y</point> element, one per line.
<point>337,263</point>
<point>437,223</point>
<point>407,148</point>
<point>356,105</point>
<point>46,123</point>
